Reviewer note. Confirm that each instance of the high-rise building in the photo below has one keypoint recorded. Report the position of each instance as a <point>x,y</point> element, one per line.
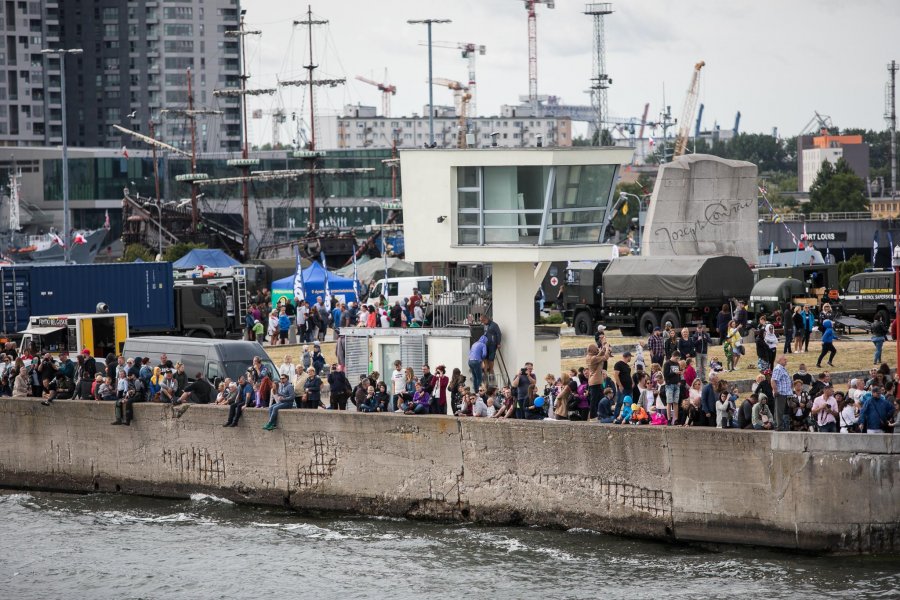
<point>137,60</point>
<point>30,108</point>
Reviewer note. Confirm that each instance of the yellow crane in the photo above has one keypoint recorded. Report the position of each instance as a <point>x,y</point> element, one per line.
<point>461,99</point>
<point>687,115</point>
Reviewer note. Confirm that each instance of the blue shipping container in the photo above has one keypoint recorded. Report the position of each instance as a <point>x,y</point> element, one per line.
<point>143,290</point>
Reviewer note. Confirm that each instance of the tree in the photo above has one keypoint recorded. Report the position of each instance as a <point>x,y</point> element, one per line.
<point>837,189</point>
<point>848,268</point>
<point>176,251</point>
<point>138,251</point>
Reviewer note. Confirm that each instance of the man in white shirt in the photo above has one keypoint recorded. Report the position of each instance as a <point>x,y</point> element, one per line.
<point>398,384</point>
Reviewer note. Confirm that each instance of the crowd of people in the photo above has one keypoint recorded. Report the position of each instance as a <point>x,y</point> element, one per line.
<point>682,384</point>
<point>305,322</point>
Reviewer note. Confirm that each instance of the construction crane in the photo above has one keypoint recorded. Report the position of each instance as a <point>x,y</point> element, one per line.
<point>461,100</point>
<point>823,121</point>
<point>469,52</point>
<point>387,90</point>
<point>687,114</point>
<point>278,119</point>
<point>644,120</point>
<point>532,50</point>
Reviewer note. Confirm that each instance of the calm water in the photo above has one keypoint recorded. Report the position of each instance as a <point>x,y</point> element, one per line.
<point>104,546</point>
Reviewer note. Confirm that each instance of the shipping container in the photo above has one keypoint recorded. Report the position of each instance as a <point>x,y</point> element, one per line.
<point>143,290</point>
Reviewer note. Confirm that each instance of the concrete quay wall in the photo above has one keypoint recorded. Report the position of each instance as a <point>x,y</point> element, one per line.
<point>811,492</point>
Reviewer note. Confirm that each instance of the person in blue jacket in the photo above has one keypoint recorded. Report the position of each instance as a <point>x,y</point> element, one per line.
<point>876,412</point>
<point>827,344</point>
<point>477,354</point>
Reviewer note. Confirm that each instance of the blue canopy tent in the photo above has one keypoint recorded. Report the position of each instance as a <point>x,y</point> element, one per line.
<point>314,284</point>
<point>208,258</point>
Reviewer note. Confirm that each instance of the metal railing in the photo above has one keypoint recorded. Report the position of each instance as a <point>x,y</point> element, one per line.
<point>833,216</point>
<point>466,292</point>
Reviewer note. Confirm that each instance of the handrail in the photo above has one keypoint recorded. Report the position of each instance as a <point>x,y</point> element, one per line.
<point>833,216</point>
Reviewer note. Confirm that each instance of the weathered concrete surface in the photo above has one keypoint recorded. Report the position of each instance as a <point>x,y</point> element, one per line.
<point>703,205</point>
<point>820,492</point>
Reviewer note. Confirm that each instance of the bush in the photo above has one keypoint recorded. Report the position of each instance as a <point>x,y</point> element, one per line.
<point>552,319</point>
<point>176,251</point>
<point>848,268</point>
<point>138,251</point>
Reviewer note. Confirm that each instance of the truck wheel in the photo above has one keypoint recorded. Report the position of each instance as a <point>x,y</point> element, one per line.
<point>671,317</point>
<point>648,322</point>
<point>583,323</point>
<point>885,317</point>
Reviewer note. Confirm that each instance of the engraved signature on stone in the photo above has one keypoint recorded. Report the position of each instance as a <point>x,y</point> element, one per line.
<point>714,215</point>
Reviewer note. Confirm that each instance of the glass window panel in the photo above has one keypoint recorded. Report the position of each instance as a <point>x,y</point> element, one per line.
<point>468,236</point>
<point>575,217</point>
<point>564,235</point>
<point>466,177</point>
<point>468,200</point>
<point>469,219</point>
<point>583,187</point>
<point>515,188</point>
<point>516,235</point>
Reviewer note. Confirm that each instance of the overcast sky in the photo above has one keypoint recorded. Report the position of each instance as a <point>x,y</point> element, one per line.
<point>776,61</point>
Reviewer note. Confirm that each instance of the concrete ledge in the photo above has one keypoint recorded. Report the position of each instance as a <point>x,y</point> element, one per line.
<point>802,491</point>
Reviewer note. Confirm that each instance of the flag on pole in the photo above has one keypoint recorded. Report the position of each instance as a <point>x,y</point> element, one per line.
<point>79,239</point>
<point>355,275</point>
<point>327,291</point>
<point>106,221</point>
<point>651,141</point>
<point>875,248</point>
<point>890,243</point>
<point>57,240</point>
<point>299,291</point>
<point>124,152</point>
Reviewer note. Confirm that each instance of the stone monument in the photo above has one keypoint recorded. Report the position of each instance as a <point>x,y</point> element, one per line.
<point>703,205</point>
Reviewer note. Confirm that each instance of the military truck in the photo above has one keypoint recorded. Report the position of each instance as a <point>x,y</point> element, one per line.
<point>638,294</point>
<point>870,294</point>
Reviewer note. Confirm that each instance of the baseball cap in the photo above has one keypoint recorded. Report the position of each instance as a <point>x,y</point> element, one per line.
<point>657,329</point>
<point>626,354</point>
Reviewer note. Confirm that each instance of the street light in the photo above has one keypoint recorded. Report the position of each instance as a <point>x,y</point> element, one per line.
<point>428,23</point>
<point>67,237</point>
<point>623,197</point>
<point>383,244</point>
<point>895,262</point>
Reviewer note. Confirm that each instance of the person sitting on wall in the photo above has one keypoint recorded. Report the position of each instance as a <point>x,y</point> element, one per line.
<point>125,405</point>
<point>168,388</point>
<point>421,401</point>
<point>198,391</point>
<point>283,397</point>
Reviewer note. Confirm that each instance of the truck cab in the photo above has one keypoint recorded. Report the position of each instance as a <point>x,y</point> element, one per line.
<point>583,296</point>
<point>870,294</point>
<point>101,333</point>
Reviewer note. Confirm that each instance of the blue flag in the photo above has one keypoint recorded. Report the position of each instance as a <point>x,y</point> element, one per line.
<point>299,291</point>
<point>890,243</point>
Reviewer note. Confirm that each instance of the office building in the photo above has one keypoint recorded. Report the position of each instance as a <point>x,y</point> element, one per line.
<point>813,151</point>
<point>30,106</point>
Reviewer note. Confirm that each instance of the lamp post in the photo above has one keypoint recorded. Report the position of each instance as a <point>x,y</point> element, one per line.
<point>429,23</point>
<point>895,262</point>
<point>383,244</point>
<point>623,196</point>
<point>67,237</point>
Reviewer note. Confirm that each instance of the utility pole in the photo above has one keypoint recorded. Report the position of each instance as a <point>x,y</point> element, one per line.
<point>67,235</point>
<point>890,114</point>
<point>195,213</point>
<point>429,23</point>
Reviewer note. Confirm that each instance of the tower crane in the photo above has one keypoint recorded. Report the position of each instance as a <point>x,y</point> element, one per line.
<point>687,114</point>
<point>461,99</point>
<point>644,120</point>
<point>278,119</point>
<point>387,90</point>
<point>469,52</point>
<point>532,50</point>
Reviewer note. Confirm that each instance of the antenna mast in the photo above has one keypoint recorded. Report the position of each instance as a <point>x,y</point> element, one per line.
<point>890,114</point>
<point>600,80</point>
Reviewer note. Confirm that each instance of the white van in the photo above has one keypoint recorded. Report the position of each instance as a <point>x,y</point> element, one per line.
<point>399,288</point>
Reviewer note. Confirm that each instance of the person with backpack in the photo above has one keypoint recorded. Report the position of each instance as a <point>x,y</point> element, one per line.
<point>520,382</point>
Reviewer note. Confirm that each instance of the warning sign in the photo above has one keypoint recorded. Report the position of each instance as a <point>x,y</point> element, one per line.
<point>554,281</point>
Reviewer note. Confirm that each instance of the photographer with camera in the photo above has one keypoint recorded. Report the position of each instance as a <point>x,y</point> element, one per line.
<point>522,380</point>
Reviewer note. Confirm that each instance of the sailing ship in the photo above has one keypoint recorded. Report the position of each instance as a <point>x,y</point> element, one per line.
<point>21,246</point>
